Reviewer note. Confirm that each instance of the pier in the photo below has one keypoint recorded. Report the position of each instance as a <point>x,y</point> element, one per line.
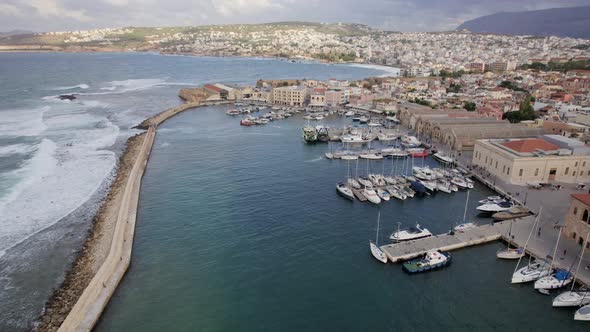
<point>480,234</point>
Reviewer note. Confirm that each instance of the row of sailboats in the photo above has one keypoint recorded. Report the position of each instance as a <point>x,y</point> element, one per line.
<point>547,277</point>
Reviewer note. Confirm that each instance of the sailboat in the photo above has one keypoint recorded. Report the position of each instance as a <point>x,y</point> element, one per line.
<point>573,298</point>
<point>344,191</point>
<point>465,225</point>
<point>557,279</point>
<point>510,253</point>
<point>375,250</point>
<point>583,313</point>
<point>350,181</point>
<point>534,270</point>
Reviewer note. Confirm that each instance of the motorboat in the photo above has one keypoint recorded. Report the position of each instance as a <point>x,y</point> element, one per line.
<point>531,272</point>
<point>363,119</point>
<point>349,114</point>
<point>495,207</point>
<point>413,233</point>
<point>329,155</point>
<point>557,279</point>
<point>429,185</point>
<point>398,154</point>
<point>354,183</point>
<point>510,253</point>
<point>371,156</point>
<point>583,313</point>
<point>397,194</point>
<point>383,194</point>
<point>572,299</point>
<point>463,227</point>
<point>417,152</point>
<point>423,173</point>
<point>386,137</point>
<point>246,122</point>
<point>443,186</point>
<point>418,188</point>
<point>365,181</point>
<point>390,180</point>
<point>407,191</point>
<point>433,259</point>
<point>410,141</point>
<point>233,112</point>
<point>374,123</point>
<point>491,199</point>
<point>344,191</point>
<point>353,138</point>
<point>460,183</point>
<point>371,195</point>
<point>443,158</point>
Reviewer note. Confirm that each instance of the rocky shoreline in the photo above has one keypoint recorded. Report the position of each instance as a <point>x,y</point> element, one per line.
<point>96,247</point>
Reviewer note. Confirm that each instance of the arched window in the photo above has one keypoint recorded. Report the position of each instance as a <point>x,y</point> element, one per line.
<point>575,211</point>
<point>585,216</point>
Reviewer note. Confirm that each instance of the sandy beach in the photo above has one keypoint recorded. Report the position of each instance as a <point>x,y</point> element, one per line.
<point>96,247</point>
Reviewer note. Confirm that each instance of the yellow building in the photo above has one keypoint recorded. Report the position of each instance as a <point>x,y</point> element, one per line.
<point>289,95</point>
<point>534,160</point>
<point>577,222</point>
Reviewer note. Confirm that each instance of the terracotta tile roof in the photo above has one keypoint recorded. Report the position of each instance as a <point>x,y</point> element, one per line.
<point>530,145</point>
<point>584,198</point>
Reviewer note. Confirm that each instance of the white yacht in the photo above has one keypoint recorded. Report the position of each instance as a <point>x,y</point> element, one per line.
<point>371,156</point>
<point>531,272</point>
<point>344,191</point>
<point>383,194</point>
<point>443,158</point>
<point>491,199</point>
<point>429,185</point>
<point>464,226</point>
<point>413,233</point>
<point>386,137</point>
<point>495,207</point>
<point>583,313</point>
<point>396,193</point>
<point>510,253</point>
<point>557,279</point>
<point>572,299</point>
<point>443,186</point>
<point>353,138</point>
<point>460,182</point>
<point>408,140</point>
<point>365,181</point>
<point>371,195</point>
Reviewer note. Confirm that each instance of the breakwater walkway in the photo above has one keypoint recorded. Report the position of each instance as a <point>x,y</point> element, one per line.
<point>101,288</point>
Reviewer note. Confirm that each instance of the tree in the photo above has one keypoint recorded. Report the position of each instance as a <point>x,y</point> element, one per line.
<point>469,106</point>
<point>525,112</point>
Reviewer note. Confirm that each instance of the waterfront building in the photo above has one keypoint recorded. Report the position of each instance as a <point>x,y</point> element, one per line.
<point>542,159</point>
<point>317,98</point>
<point>577,221</point>
<point>290,95</point>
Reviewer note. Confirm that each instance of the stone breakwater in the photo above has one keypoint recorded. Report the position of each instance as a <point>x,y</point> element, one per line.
<point>106,255</point>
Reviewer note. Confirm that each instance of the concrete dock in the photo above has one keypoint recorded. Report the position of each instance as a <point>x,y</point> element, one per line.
<point>478,235</point>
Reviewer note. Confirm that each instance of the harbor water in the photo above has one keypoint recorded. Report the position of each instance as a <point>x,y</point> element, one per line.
<point>57,156</point>
<point>241,229</point>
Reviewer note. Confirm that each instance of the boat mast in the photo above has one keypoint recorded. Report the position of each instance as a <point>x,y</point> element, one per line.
<point>378,219</point>
<point>580,262</point>
<point>555,250</point>
<point>527,240</point>
<point>466,201</point>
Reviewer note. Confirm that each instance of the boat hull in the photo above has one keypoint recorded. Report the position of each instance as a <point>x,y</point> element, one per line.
<point>412,266</point>
<point>378,253</point>
<point>571,299</point>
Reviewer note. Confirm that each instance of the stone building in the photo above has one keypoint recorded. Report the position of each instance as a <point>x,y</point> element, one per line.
<point>577,221</point>
<point>289,95</point>
<point>549,158</point>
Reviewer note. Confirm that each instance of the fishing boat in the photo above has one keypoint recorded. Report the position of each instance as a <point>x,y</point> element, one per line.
<point>322,134</point>
<point>375,250</point>
<point>433,259</point>
<point>465,225</point>
<point>344,191</point>
<point>383,194</point>
<point>310,135</point>
<point>495,207</point>
<point>557,279</point>
<point>371,195</point>
<point>413,233</point>
<point>583,313</point>
<point>443,158</point>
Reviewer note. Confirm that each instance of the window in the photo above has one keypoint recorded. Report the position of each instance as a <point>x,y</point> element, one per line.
<point>585,216</point>
<point>567,170</point>
<point>576,164</point>
<point>504,169</point>
<point>520,172</point>
<point>536,172</point>
<point>583,163</point>
<point>496,164</point>
<point>574,173</point>
<point>575,210</point>
<point>508,171</point>
<point>574,236</point>
<point>486,160</point>
<point>581,173</point>
<point>581,241</point>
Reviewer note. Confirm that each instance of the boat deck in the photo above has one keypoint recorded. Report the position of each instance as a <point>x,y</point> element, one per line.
<point>359,195</point>
<point>477,235</point>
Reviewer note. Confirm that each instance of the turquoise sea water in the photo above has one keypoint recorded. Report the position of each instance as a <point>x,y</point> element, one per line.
<point>57,157</point>
<point>240,229</point>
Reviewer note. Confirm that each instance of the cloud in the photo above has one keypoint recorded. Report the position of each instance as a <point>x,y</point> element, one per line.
<point>400,15</point>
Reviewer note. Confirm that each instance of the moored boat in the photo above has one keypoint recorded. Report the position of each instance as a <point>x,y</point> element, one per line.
<point>371,195</point>
<point>572,299</point>
<point>433,259</point>
<point>557,279</point>
<point>510,253</point>
<point>344,191</point>
<point>443,158</point>
<point>412,233</point>
<point>531,272</point>
<point>583,313</point>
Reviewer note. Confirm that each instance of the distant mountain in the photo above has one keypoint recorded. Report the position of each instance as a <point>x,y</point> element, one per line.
<point>562,22</point>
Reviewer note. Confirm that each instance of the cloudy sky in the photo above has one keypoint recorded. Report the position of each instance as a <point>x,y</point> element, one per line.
<point>401,15</point>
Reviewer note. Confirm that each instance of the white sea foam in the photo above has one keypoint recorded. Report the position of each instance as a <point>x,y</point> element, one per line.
<point>388,71</point>
<point>119,87</point>
<point>28,122</point>
<point>16,149</point>
<point>66,169</point>
<point>79,86</point>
